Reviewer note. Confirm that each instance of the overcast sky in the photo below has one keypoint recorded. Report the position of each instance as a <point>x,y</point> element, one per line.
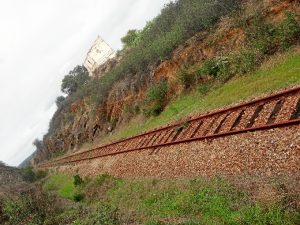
<point>40,41</point>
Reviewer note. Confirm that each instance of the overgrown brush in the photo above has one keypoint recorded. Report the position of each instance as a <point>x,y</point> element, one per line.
<point>156,98</point>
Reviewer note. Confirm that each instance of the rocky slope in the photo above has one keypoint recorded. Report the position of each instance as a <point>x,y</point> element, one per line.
<point>80,123</point>
<point>10,180</point>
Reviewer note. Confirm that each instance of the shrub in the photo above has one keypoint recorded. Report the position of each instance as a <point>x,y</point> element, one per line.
<point>103,214</point>
<point>203,88</point>
<point>186,79</point>
<point>31,208</point>
<point>77,180</point>
<point>59,101</point>
<point>28,174</point>
<point>40,174</point>
<point>157,91</point>
<point>217,67</point>
<point>74,80</point>
<point>289,31</point>
<point>244,62</point>
<point>156,98</point>
<point>262,36</point>
<point>78,197</point>
<point>102,178</point>
<point>136,109</point>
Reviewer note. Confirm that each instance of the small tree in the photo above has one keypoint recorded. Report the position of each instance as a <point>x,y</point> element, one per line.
<point>59,101</point>
<point>76,78</point>
<point>38,144</point>
<point>130,39</point>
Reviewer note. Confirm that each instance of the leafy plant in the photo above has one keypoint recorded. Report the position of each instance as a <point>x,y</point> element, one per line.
<point>185,78</point>
<point>217,67</point>
<point>202,88</point>
<point>28,174</point>
<point>289,31</point>
<point>74,80</point>
<point>78,197</point>
<point>77,180</point>
<point>156,98</point>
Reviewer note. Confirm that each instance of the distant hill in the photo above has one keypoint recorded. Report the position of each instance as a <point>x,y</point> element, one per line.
<point>26,162</point>
<point>10,179</point>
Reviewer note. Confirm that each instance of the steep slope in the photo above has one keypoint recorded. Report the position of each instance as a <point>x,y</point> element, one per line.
<point>243,38</point>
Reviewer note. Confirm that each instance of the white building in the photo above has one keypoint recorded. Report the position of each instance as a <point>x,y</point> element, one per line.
<point>99,53</point>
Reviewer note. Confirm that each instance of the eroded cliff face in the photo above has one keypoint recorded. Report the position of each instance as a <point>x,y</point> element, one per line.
<point>81,123</point>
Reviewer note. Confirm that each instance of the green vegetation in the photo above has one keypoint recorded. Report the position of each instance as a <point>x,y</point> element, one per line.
<point>277,73</point>
<point>29,174</point>
<point>77,78</point>
<point>29,208</point>
<point>61,184</point>
<point>145,49</point>
<point>185,78</point>
<point>177,22</point>
<point>110,200</point>
<point>77,180</point>
<point>156,98</point>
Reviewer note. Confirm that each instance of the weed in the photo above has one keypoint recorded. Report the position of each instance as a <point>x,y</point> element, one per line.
<point>156,98</point>
<point>289,31</point>
<point>77,180</point>
<point>217,67</point>
<point>202,89</point>
<point>78,197</point>
<point>185,78</point>
<point>102,178</point>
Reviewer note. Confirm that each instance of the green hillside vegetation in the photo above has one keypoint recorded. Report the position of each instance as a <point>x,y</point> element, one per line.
<point>277,73</point>
<point>111,201</point>
<point>221,80</point>
<point>203,84</point>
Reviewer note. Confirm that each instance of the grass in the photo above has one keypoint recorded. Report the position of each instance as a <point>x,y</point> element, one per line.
<point>279,72</point>
<point>181,201</point>
<point>61,184</point>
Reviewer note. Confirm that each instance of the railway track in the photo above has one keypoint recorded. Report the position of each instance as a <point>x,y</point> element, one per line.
<point>278,110</point>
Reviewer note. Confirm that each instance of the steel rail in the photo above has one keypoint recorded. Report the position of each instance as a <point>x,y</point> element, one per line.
<point>166,128</point>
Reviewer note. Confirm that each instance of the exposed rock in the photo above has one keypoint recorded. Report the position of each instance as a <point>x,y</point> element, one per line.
<point>87,124</point>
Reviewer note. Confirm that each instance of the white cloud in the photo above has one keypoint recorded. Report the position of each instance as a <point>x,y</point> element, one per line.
<point>40,42</point>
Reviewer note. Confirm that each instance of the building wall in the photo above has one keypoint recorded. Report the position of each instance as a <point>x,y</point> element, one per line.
<point>99,53</point>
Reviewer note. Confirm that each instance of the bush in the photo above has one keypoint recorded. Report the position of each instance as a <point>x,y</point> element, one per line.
<point>103,214</point>
<point>289,31</point>
<point>107,214</point>
<point>76,78</point>
<point>40,174</point>
<point>78,197</point>
<point>59,101</point>
<point>28,174</point>
<point>77,180</point>
<point>31,208</point>
<point>156,98</point>
<point>203,88</point>
<point>244,62</point>
<point>186,79</point>
<point>102,178</point>
<point>217,67</point>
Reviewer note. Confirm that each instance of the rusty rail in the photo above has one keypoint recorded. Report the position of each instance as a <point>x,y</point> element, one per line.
<point>274,111</point>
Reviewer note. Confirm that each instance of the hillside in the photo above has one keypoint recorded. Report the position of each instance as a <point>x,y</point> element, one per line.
<point>10,179</point>
<point>147,81</point>
<point>187,162</point>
